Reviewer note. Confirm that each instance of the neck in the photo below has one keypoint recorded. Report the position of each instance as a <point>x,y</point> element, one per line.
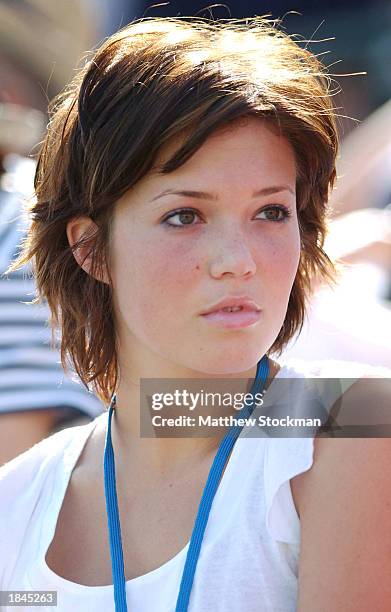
<point>169,456</point>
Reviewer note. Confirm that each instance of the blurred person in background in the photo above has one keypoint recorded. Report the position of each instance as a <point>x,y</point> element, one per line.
<point>39,45</point>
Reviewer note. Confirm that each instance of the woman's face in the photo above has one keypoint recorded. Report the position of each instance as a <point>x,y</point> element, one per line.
<point>238,236</point>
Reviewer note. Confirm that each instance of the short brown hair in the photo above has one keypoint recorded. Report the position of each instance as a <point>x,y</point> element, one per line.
<point>149,82</point>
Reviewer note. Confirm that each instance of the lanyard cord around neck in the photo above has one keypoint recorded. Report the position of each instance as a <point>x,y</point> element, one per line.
<point>210,489</point>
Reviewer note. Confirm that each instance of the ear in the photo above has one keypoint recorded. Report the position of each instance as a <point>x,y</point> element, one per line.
<point>77,229</point>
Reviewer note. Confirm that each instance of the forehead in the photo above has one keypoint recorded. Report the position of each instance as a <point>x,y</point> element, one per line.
<point>236,160</point>
<point>251,142</point>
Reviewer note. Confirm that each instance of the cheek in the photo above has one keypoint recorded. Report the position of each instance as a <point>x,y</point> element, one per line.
<point>172,266</point>
<point>278,262</point>
<point>159,276</point>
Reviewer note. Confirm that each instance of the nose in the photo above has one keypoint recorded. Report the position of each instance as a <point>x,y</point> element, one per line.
<point>232,256</point>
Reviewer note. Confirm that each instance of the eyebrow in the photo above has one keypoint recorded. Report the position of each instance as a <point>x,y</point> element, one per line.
<point>203,195</point>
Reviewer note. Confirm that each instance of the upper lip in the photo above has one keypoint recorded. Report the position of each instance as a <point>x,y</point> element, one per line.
<point>232,301</point>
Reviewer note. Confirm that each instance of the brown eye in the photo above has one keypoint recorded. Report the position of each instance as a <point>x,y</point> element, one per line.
<point>275,213</point>
<point>186,217</point>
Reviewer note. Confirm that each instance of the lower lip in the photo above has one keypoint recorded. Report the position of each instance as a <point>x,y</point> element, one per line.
<point>233,320</point>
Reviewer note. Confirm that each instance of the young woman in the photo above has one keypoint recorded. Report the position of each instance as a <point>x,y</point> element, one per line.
<point>184,176</point>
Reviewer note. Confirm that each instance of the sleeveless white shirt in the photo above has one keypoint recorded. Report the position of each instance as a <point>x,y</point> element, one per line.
<point>250,551</point>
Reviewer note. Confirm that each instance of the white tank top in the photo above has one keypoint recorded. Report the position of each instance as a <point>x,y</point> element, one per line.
<point>249,556</point>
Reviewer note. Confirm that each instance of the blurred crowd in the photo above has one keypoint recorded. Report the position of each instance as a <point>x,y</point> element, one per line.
<point>41,44</point>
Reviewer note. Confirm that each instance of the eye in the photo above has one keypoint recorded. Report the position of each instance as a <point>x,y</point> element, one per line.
<point>185,215</point>
<point>273,213</point>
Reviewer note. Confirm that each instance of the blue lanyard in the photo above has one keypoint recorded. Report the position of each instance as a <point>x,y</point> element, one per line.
<point>212,483</point>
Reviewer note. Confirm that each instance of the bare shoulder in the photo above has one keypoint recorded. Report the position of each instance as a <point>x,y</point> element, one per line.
<point>345,518</point>
<point>363,412</point>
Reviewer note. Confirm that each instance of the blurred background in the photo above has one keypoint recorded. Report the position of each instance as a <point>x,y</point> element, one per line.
<point>41,44</point>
